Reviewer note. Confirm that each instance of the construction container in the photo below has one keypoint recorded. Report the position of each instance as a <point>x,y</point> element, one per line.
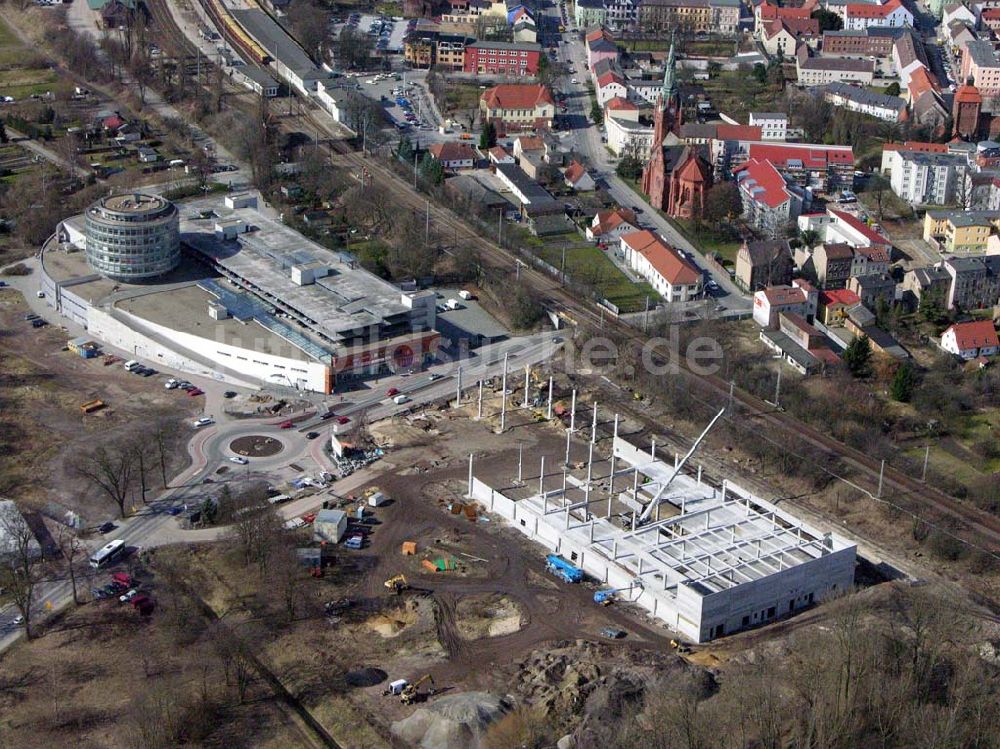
<point>376,499</point>
<point>429,565</point>
<point>330,525</point>
<point>409,548</point>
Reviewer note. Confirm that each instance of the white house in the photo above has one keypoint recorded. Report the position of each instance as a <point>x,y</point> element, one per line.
<point>667,271</point>
<point>610,226</point>
<point>971,339</point>
<point>800,298</point>
<point>576,177</point>
<point>453,155</point>
<point>628,137</point>
<point>859,16</point>
<point>773,125</point>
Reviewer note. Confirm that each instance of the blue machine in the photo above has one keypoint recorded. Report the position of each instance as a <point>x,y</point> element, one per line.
<point>561,568</point>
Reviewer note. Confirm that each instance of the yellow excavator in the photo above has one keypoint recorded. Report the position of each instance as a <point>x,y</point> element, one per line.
<point>397,584</point>
<point>411,693</point>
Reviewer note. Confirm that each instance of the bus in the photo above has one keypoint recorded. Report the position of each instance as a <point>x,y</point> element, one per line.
<point>107,553</point>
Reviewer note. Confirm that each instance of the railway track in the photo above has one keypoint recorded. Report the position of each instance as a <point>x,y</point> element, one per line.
<point>908,493</point>
<point>170,32</point>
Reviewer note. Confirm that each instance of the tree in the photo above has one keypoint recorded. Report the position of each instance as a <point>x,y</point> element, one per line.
<point>71,549</point>
<point>892,89</point>
<point>488,138</point>
<point>431,169</point>
<point>255,530</point>
<point>309,26</point>
<point>857,356</point>
<point>111,469</point>
<point>596,113</point>
<point>722,202</point>
<point>828,20</point>
<point>877,187</point>
<point>903,383</point>
<point>3,133</point>
<point>629,168</point>
<point>760,73</point>
<point>809,238</point>
<point>20,565</point>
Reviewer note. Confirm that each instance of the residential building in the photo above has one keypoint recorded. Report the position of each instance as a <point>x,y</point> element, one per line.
<point>970,340</point>
<point>975,281</point>
<point>799,298</point>
<point>588,13</point>
<point>760,264</point>
<point>927,178</point>
<point>958,12</point>
<point>991,19</point>
<point>575,176</point>
<point>627,136</point>
<point>908,55</point>
<point>782,36</point>
<point>933,281</point>
<point>834,304</point>
<point>871,289</point>
<point>860,43</point>
<point>453,155</point>
<point>601,46</point>
<point>609,226</point>
<point>621,15</point>
<point>858,16</point>
<point>979,62</point>
<point>824,168</point>
<point>765,13</point>
<point>773,125</point>
<point>610,85</point>
<point>669,272</point>
<point>769,203</point>
<point>870,261</point>
<point>516,59</point>
<point>831,265</point>
<point>500,155</point>
<point>694,16</point>
<point>960,231</point>
<point>855,99</point>
<point>835,227</point>
<point>515,107</point>
<point>818,71</point>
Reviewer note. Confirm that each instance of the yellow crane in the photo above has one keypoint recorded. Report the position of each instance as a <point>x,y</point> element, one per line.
<point>410,693</point>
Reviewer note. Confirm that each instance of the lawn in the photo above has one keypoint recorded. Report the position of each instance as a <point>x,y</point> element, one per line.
<point>22,83</point>
<point>588,264</point>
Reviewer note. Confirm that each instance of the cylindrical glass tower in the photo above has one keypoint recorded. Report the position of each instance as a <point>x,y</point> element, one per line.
<point>133,237</point>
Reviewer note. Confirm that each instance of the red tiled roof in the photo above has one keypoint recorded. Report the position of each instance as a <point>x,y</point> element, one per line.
<point>113,122</point>
<point>726,131</point>
<point>825,354</point>
<point>499,153</point>
<point>838,296</point>
<point>531,142</point>
<point>974,334</point>
<point>921,81</point>
<point>768,11</point>
<point>665,259</point>
<point>781,296</point>
<point>795,26</point>
<point>813,157</point>
<point>916,145</point>
<point>517,96</point>
<point>574,172</point>
<point>452,152</point>
<point>611,220</point>
<point>870,234</point>
<point>609,78</point>
<point>838,251</point>
<point>968,94</point>
<point>874,254</point>
<point>618,103</point>
<point>991,14</point>
<point>863,10</point>
<point>763,183</point>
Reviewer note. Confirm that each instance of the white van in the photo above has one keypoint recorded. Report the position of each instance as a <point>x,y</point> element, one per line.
<point>399,400</point>
<point>176,162</point>
<point>130,365</point>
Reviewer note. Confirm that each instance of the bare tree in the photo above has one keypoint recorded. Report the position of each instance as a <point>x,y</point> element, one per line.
<point>20,563</point>
<point>112,470</point>
<point>255,530</point>
<point>71,550</point>
<point>143,455</point>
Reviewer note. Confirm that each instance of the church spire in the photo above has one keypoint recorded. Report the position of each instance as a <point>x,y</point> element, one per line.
<point>669,90</point>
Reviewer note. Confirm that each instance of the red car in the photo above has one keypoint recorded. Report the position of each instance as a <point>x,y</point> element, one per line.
<point>343,419</point>
<point>196,391</point>
<point>392,391</point>
<point>285,425</point>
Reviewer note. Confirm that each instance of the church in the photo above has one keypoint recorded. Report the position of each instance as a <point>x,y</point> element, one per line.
<point>677,176</point>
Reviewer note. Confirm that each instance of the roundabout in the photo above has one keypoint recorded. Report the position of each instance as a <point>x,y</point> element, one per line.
<point>256,446</point>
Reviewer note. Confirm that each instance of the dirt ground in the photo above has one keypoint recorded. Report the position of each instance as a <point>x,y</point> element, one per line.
<point>42,430</point>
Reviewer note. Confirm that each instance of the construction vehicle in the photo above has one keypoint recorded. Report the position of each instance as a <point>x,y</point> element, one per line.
<point>397,584</point>
<point>411,693</point>
<point>563,569</point>
<point>607,597</point>
<point>680,647</point>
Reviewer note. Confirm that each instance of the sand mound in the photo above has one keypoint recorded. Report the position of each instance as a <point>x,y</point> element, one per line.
<point>490,615</point>
<point>393,623</point>
<point>454,722</point>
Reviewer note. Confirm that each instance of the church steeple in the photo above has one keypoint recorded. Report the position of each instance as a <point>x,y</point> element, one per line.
<point>669,89</point>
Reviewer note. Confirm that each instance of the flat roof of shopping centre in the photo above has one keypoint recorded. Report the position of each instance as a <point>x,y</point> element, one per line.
<point>348,299</point>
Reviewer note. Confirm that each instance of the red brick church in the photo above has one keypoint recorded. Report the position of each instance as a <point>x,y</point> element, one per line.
<point>676,177</point>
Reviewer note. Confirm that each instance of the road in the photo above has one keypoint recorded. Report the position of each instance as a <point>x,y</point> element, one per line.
<point>585,138</point>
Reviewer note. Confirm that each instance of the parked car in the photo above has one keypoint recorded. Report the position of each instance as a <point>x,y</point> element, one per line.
<point>107,527</point>
<point>312,435</point>
<point>195,391</point>
<point>128,596</point>
<point>613,634</point>
<point>229,394</point>
<point>343,419</point>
